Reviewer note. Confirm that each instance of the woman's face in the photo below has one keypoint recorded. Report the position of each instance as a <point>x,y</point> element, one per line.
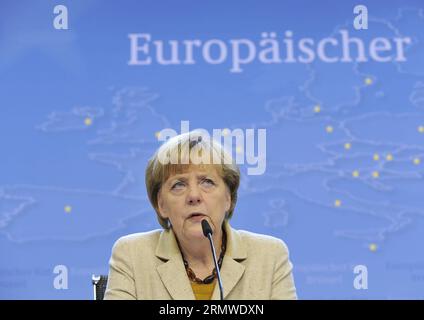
<point>188,198</point>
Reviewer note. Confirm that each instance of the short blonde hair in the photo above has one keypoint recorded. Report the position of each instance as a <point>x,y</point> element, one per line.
<point>176,156</point>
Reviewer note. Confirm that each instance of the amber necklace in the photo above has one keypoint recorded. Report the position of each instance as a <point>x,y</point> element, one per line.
<point>192,276</point>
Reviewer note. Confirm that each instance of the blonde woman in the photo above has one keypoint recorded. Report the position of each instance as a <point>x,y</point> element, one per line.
<point>192,178</point>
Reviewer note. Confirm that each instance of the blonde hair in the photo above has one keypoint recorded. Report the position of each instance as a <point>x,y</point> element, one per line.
<point>177,154</point>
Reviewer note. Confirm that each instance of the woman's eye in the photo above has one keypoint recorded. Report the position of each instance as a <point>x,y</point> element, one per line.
<point>177,185</point>
<point>208,182</point>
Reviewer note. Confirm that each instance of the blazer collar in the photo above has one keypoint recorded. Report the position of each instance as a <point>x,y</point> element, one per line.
<point>172,271</point>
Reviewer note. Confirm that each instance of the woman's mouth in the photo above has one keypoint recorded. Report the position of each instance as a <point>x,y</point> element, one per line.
<point>196,217</point>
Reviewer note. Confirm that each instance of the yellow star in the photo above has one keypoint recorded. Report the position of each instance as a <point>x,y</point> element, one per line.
<point>68,209</point>
<point>355,174</point>
<point>347,145</point>
<point>417,161</point>
<point>225,132</point>
<point>329,129</point>
<point>389,157</point>
<point>376,157</point>
<point>421,129</point>
<point>88,121</point>
<point>317,108</point>
<point>373,247</point>
<point>375,174</point>
<point>157,134</point>
<point>337,203</point>
<point>368,81</point>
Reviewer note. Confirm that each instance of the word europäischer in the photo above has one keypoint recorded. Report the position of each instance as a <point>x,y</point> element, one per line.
<point>269,49</point>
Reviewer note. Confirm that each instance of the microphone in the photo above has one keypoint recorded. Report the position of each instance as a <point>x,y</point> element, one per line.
<point>207,231</point>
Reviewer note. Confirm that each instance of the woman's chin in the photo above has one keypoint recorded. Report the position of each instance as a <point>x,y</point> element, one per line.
<point>195,231</point>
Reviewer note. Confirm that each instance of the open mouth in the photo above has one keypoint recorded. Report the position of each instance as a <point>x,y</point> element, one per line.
<point>196,215</point>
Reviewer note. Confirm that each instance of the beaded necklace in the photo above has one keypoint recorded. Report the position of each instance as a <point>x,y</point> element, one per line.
<point>192,276</point>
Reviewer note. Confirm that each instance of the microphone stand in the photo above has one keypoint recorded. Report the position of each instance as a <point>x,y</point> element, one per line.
<point>207,231</point>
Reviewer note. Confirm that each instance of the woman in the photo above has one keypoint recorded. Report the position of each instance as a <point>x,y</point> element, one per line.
<point>189,179</point>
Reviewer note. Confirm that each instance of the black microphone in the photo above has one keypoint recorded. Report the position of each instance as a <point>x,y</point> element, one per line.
<point>207,231</point>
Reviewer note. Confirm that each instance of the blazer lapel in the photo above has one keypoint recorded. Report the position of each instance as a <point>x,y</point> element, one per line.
<point>172,272</point>
<point>231,270</point>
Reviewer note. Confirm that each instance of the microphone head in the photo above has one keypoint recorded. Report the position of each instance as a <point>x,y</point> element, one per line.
<point>206,228</point>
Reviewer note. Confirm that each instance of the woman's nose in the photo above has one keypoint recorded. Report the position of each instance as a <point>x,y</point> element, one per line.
<point>194,196</point>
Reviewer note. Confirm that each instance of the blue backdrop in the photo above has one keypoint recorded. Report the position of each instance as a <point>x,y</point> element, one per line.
<point>80,109</point>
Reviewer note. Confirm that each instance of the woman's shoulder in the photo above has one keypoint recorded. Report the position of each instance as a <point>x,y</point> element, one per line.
<point>148,238</point>
<point>258,241</point>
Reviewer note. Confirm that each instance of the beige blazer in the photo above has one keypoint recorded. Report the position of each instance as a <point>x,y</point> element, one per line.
<point>150,266</point>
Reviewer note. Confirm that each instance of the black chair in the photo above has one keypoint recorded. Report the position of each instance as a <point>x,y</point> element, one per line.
<point>99,286</point>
